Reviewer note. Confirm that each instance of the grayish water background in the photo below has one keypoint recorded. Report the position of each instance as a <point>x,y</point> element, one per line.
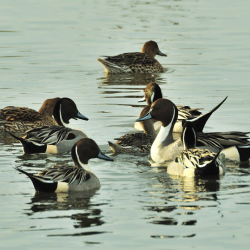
<point>49,49</point>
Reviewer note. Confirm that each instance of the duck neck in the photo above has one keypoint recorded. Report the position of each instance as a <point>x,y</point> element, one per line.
<point>157,94</point>
<point>148,127</point>
<point>165,135</point>
<point>78,163</point>
<point>57,113</point>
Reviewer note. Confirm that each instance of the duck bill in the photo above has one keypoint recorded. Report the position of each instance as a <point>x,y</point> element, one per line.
<point>142,100</point>
<point>80,116</point>
<point>102,156</point>
<point>161,54</point>
<point>145,117</point>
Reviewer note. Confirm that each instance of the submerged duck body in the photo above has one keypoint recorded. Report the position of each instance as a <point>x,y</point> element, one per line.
<point>153,92</point>
<point>135,62</point>
<point>71,178</point>
<point>55,139</point>
<point>20,119</point>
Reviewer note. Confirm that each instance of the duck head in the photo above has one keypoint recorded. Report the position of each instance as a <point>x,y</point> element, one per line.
<point>162,110</point>
<point>48,106</point>
<point>152,92</point>
<point>66,109</point>
<point>86,149</point>
<point>151,48</point>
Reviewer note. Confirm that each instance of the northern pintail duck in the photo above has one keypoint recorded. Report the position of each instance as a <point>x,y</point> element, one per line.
<point>71,178</point>
<point>135,62</point>
<point>165,148</point>
<point>135,142</point>
<point>153,92</point>
<point>54,139</point>
<point>193,161</point>
<point>21,119</point>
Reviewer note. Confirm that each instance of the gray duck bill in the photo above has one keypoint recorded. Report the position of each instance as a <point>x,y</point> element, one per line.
<point>145,117</point>
<point>80,116</point>
<point>102,156</point>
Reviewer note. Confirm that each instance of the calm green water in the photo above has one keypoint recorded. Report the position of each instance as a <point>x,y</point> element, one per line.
<point>49,49</point>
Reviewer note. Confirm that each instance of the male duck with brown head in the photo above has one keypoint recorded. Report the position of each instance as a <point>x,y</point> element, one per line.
<point>135,62</point>
<point>20,119</point>
<point>77,178</point>
<point>153,92</point>
<point>165,148</point>
<point>57,138</point>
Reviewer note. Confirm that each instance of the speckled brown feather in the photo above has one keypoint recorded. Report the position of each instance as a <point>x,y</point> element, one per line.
<point>135,62</point>
<point>21,119</point>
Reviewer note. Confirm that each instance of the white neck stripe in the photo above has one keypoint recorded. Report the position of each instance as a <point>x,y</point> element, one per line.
<point>60,113</point>
<point>84,166</point>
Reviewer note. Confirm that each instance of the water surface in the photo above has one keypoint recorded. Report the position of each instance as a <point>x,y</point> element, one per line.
<point>49,49</point>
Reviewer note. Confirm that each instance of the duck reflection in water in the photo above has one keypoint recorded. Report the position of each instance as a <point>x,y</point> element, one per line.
<point>180,199</point>
<point>129,79</point>
<point>90,216</point>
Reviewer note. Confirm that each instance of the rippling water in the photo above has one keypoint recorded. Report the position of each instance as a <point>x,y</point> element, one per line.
<point>49,49</point>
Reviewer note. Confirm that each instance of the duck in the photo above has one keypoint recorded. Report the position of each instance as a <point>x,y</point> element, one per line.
<point>20,119</point>
<point>135,62</point>
<point>76,178</point>
<point>56,138</point>
<point>135,143</point>
<point>152,92</point>
<point>194,161</point>
<point>165,148</point>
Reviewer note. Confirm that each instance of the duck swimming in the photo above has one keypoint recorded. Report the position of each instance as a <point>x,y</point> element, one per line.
<point>57,138</point>
<point>153,92</point>
<point>77,178</point>
<point>135,62</point>
<point>21,119</point>
<point>165,148</point>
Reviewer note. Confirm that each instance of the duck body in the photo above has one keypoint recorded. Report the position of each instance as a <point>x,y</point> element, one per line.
<point>240,153</point>
<point>196,162</point>
<point>135,62</point>
<point>70,178</point>
<point>20,119</point>
<point>57,138</point>
<point>193,161</point>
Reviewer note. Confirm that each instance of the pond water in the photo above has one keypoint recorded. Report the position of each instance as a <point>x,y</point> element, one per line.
<point>49,49</point>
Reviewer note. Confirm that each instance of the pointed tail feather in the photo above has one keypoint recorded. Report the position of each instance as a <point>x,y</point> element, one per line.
<point>40,184</point>
<point>200,122</point>
<point>28,146</point>
<point>112,67</point>
<point>213,168</point>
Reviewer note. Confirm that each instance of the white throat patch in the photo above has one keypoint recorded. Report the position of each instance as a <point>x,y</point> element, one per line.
<point>84,166</point>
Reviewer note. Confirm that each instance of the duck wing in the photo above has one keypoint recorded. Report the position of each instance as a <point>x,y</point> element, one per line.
<point>66,174</point>
<point>131,59</point>
<point>222,140</point>
<point>51,135</point>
